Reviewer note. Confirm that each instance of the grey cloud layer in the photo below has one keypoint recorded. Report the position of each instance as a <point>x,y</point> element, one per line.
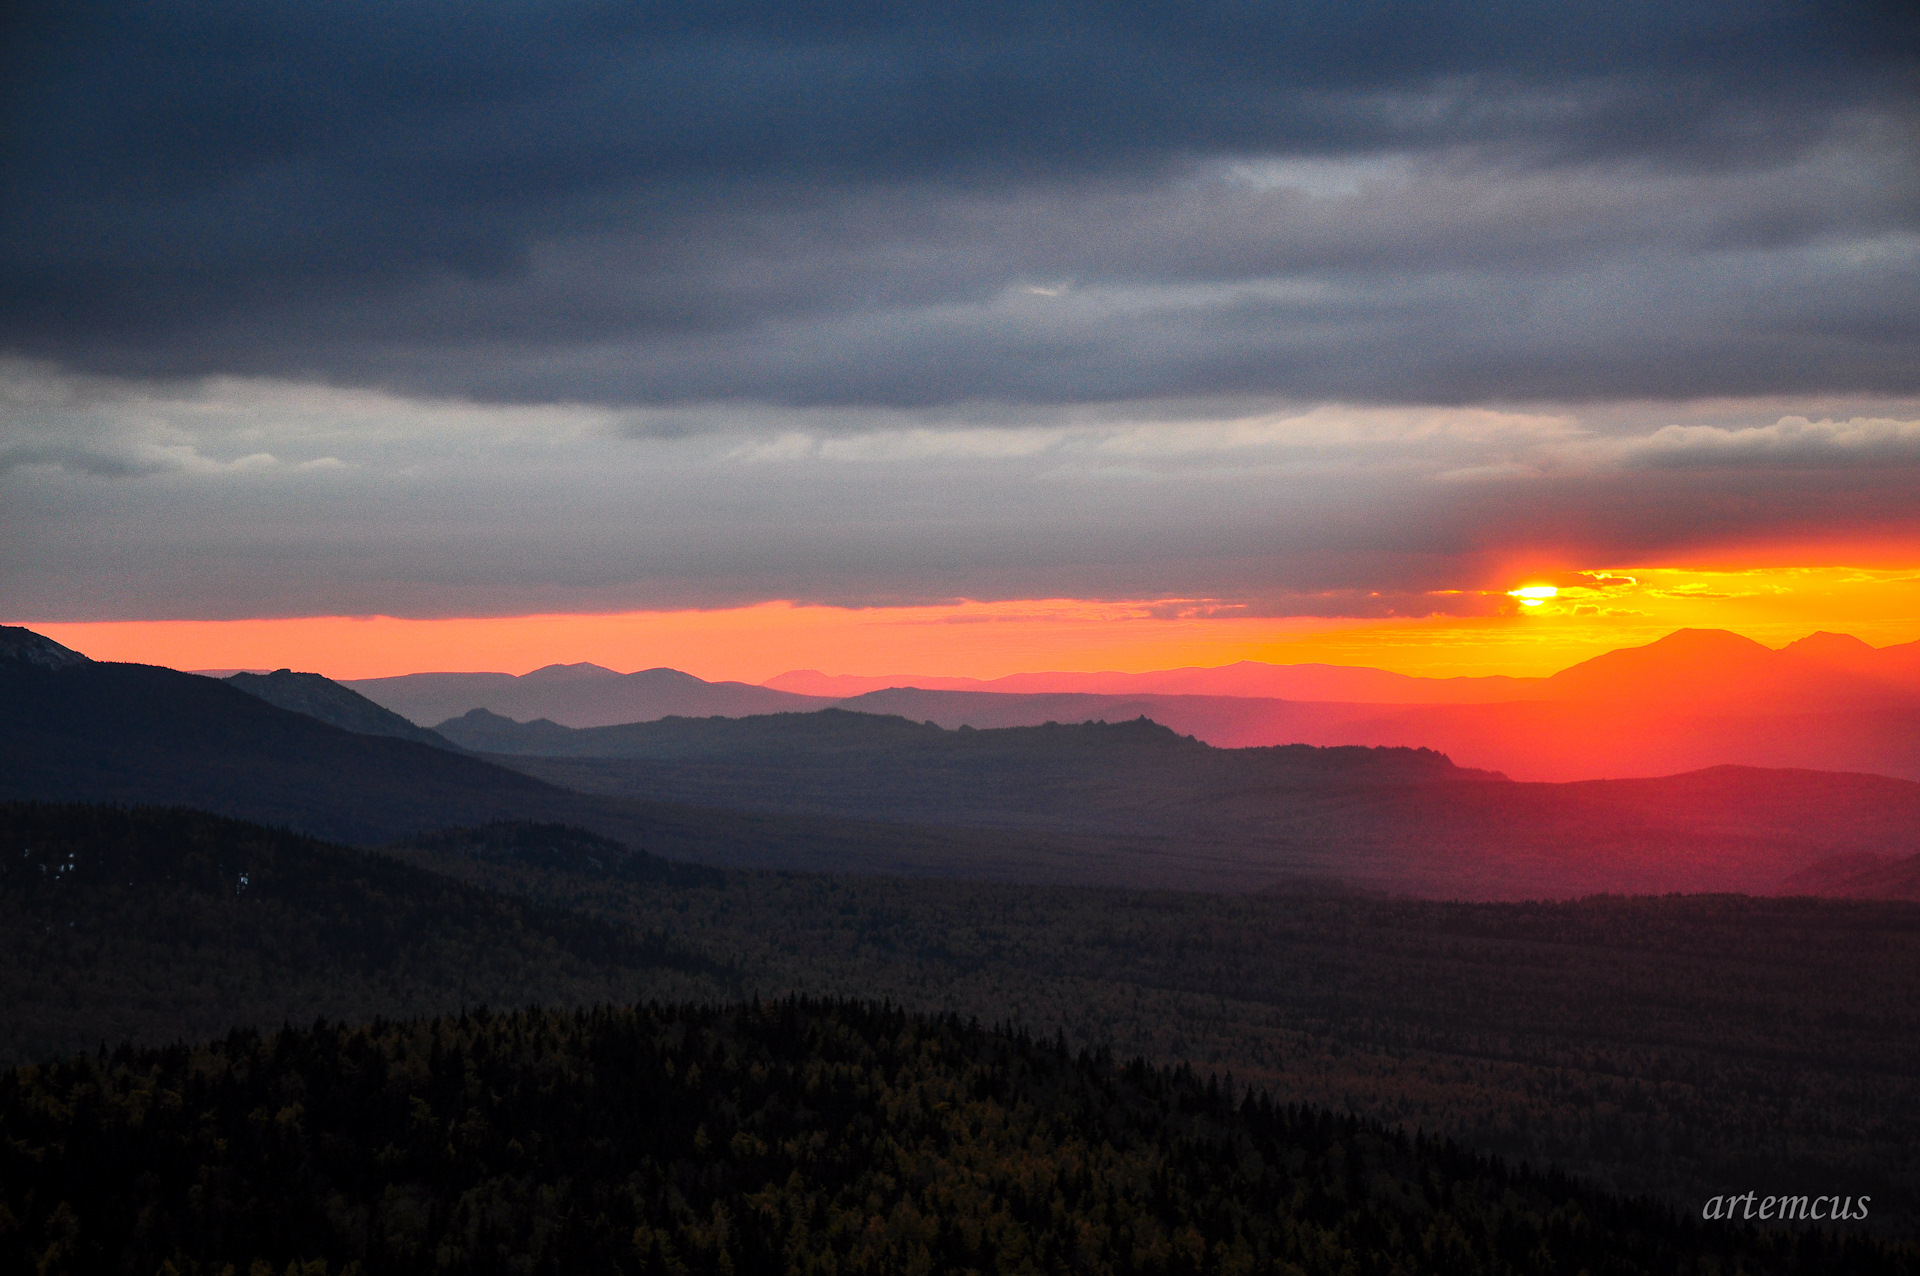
<point>493,308</point>
<point>262,498</point>
<point>918,205</point>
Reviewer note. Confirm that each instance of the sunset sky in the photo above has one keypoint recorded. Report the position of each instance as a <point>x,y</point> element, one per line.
<point>956,339</point>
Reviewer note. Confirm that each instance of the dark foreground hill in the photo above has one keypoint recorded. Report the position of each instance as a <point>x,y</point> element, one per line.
<point>1664,1046</point>
<point>74,730</point>
<point>161,924</point>
<point>104,732</point>
<point>327,700</point>
<point>788,1137</point>
<point>1667,1045</point>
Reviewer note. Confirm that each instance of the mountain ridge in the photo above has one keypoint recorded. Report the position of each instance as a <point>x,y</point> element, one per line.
<point>24,646</point>
<point>1128,803</point>
<point>577,695</point>
<point>1689,700</point>
<point>322,698</point>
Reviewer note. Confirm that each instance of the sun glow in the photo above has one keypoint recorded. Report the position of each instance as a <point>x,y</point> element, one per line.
<point>1556,619</point>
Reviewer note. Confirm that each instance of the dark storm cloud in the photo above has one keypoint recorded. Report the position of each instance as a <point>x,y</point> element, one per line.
<point>638,203</point>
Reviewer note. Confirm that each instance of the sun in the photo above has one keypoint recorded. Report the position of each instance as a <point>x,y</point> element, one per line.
<point>1533,595</point>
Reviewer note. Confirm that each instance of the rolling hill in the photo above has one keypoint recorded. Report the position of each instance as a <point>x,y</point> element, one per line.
<point>580,695</point>
<point>1395,819</point>
<point>322,698</point>
<point>1128,803</point>
<point>1690,664</point>
<point>1245,678</point>
<point>72,730</point>
<point>1692,700</point>
<point>138,734</point>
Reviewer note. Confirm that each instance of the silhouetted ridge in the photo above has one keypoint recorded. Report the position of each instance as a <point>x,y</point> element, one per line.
<point>484,731</point>
<point>883,739</point>
<point>140,734</point>
<point>26,647</point>
<point>579,694</point>
<point>1121,803</point>
<point>322,698</point>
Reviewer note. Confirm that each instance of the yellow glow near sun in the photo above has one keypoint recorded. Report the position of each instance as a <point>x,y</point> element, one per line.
<point>1590,610</point>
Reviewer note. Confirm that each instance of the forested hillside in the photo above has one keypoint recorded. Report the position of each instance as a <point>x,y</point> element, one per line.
<point>163,925</point>
<point>792,1136</point>
<point>1663,1045</point>
<point>1657,1046</point>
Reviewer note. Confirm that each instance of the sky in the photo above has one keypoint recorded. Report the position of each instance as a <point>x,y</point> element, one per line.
<point>955,339</point>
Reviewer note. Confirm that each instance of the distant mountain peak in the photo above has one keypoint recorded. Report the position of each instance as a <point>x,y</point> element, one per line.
<point>580,671</point>
<point>1703,640</point>
<point>320,697</point>
<point>1825,645</point>
<point>17,643</point>
<point>663,674</point>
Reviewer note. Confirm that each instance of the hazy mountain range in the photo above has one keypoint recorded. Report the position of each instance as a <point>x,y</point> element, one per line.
<point>1696,698</point>
<point>1821,664</point>
<point>1121,804</point>
<point>1245,678</point>
<point>578,695</point>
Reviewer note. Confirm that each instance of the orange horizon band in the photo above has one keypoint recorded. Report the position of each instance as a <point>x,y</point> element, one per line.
<point>1586,614</point>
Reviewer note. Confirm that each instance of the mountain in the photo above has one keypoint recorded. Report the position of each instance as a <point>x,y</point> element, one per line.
<point>1694,665</point>
<point>1407,820</point>
<point>1693,700</point>
<point>484,731</point>
<point>1129,803</point>
<point>1714,668</point>
<point>1245,678</point>
<point>322,698</point>
<point>579,695</point>
<point>855,745</point>
<point>139,734</point>
<point>24,647</point>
